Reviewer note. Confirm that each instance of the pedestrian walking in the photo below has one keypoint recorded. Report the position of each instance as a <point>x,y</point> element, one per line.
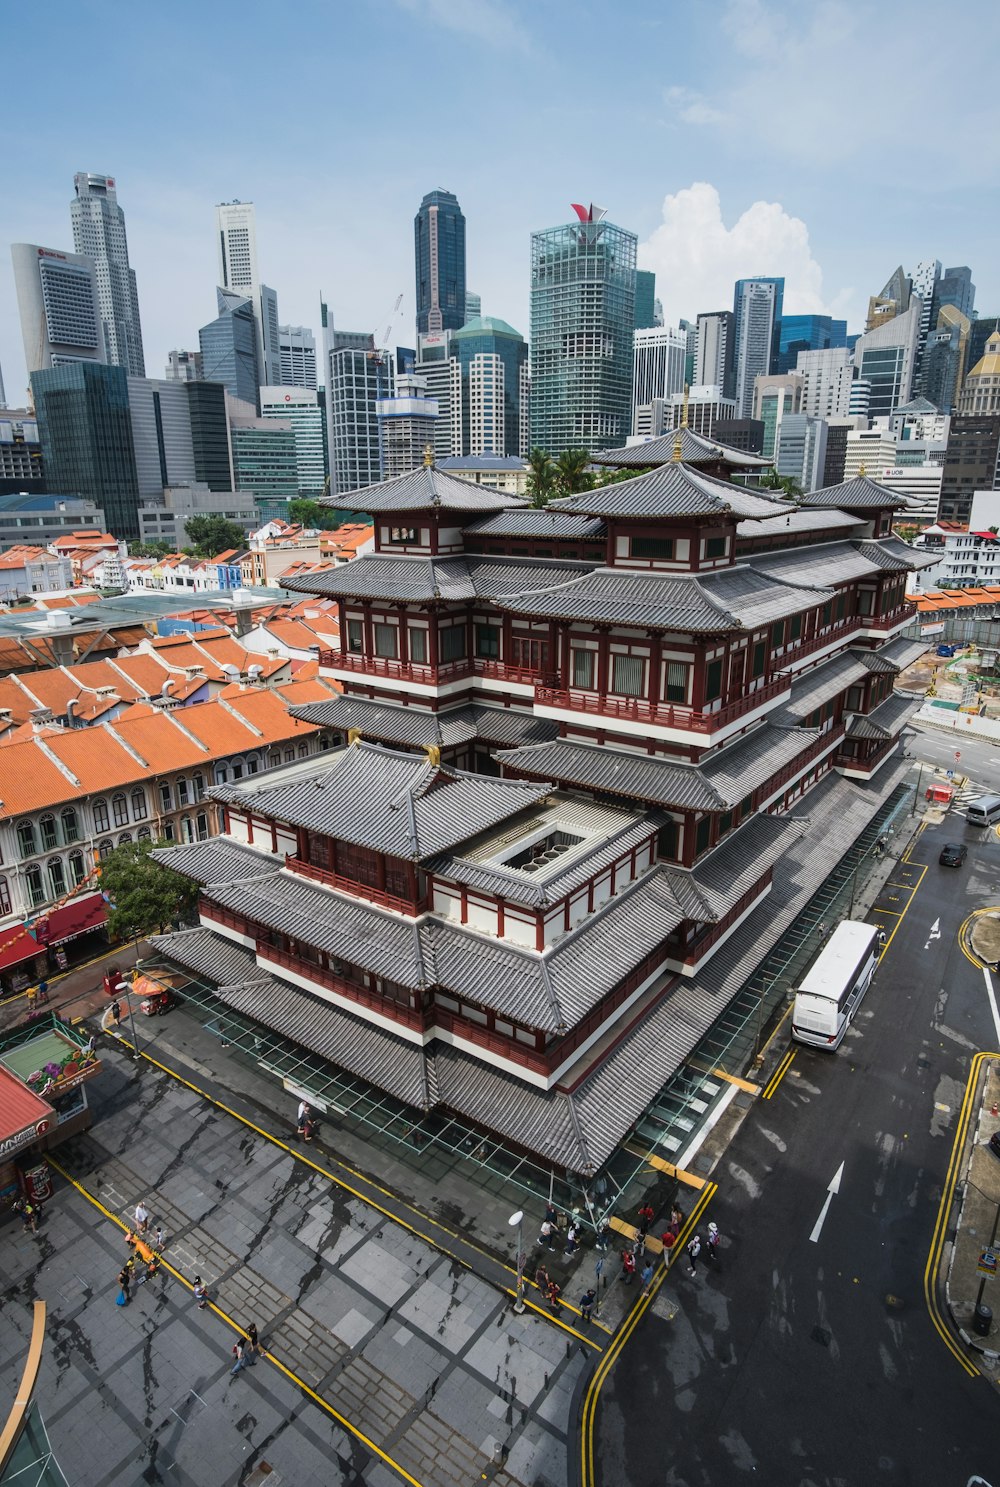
<point>31,999</point>
<point>587,1301</point>
<point>239,1355</point>
<point>29,1215</point>
<point>125,1284</point>
<point>200,1292</point>
<point>668,1241</point>
<point>554,1293</point>
<point>254,1349</point>
<point>628,1266</point>
<point>308,1128</point>
<point>646,1277</point>
<point>604,1238</point>
<point>302,1120</point>
<point>712,1246</point>
<point>552,1215</point>
<point>542,1278</point>
<point>645,1217</point>
<point>693,1251</point>
<point>546,1234</point>
<point>141,1217</point>
<point>676,1219</point>
<point>116,1013</point>
<point>43,992</point>
<point>158,1240</point>
<point>821,930</point>
<point>572,1239</point>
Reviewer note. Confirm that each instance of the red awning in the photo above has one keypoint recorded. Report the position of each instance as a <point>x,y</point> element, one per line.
<point>76,918</point>
<point>16,944</point>
<point>21,1112</point>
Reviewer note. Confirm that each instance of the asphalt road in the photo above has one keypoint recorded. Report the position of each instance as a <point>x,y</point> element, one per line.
<point>980,757</point>
<point>815,1364</point>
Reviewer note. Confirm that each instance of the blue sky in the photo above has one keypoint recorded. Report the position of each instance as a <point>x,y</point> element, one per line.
<point>827,141</point>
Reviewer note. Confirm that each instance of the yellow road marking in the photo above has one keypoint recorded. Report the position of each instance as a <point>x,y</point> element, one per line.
<point>779,1073</point>
<point>225,1317</point>
<point>611,1356</point>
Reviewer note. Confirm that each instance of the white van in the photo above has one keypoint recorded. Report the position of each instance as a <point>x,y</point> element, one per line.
<point>830,992</point>
<point>983,811</point>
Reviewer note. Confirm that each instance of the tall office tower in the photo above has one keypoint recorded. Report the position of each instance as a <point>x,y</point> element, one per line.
<point>807,333</point>
<point>407,425</point>
<point>757,305</point>
<point>236,223</point>
<point>99,231</point>
<point>658,367</point>
<point>298,356</point>
<point>645,299</point>
<point>357,379</point>
<point>473,306</point>
<point>582,325</point>
<point>715,364</point>
<point>264,457</point>
<point>971,463</point>
<point>213,465</point>
<point>58,304</point>
<point>773,399</point>
<point>184,366</point>
<point>893,299</point>
<point>955,287</point>
<point>3,394</point>
<point>827,380</point>
<point>940,368</point>
<point>86,437</point>
<point>229,347</point>
<point>299,408</point>
<point>443,376</point>
<point>701,407</point>
<point>924,283</point>
<point>439,256</point>
<point>800,452</point>
<point>886,359</point>
<point>690,347</point>
<point>160,414</point>
<point>492,367</point>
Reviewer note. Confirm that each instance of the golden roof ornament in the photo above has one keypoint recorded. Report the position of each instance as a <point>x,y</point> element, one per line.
<point>862,472</point>
<point>428,457</point>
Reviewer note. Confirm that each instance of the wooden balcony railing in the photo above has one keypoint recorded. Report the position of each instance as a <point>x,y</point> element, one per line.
<point>661,714</point>
<point>378,896</point>
<point>349,990</point>
<point>405,671</point>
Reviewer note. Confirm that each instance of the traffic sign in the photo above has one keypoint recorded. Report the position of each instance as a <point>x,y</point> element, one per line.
<point>958,753</point>
<point>987,1262</point>
<point>951,774</point>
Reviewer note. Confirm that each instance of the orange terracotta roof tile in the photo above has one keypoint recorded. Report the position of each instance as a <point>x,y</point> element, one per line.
<point>268,712</point>
<point>97,757</point>
<point>216,727</point>
<point>29,780</point>
<point>155,736</point>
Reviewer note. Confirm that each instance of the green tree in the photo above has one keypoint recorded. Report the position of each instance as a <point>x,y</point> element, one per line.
<point>312,514</point>
<point>541,478</point>
<point>572,473</point>
<point>143,896</point>
<point>149,549</point>
<point>772,481</point>
<point>213,534</point>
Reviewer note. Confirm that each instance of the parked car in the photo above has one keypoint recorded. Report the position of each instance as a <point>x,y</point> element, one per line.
<point>953,854</point>
<point>994,1143</point>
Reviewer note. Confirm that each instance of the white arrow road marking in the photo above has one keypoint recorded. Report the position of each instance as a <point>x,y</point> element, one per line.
<point>991,996</point>
<point>935,933</point>
<point>833,1188</point>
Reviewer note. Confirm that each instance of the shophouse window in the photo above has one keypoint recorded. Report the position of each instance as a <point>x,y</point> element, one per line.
<point>202,822</point>
<point>26,839</point>
<point>4,897</point>
<point>57,878</point>
<point>166,798</point>
<point>70,825</point>
<point>77,870</point>
<point>138,805</point>
<point>33,882</point>
<point>119,806</point>
<point>47,826</point>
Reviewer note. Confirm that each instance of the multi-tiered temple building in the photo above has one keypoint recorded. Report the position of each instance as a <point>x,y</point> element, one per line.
<point>593,757</point>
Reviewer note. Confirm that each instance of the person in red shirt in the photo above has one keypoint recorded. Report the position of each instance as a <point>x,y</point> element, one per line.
<point>554,1293</point>
<point>646,1217</point>
<point>628,1266</point>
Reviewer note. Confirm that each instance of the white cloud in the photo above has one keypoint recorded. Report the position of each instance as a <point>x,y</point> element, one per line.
<point>697,258</point>
<point>692,107</point>
<point>484,20</point>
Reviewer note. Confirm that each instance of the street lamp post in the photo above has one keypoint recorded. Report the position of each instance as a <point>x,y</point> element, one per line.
<point>516,1221</point>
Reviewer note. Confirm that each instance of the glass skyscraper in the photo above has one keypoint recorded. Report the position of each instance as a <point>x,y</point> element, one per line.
<point>99,230</point>
<point>582,323</point>
<point>229,347</point>
<point>86,437</point>
<point>757,306</point>
<point>645,299</point>
<point>493,365</point>
<point>439,255</point>
<point>807,333</point>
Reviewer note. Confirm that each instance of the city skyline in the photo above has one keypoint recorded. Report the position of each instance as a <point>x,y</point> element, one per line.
<point>749,199</point>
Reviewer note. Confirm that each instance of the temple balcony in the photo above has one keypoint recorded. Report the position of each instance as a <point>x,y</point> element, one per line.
<point>637,714</point>
<point>411,675</point>
<point>371,894</point>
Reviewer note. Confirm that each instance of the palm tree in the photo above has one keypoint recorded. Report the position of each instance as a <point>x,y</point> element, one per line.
<point>541,478</point>
<point>571,472</point>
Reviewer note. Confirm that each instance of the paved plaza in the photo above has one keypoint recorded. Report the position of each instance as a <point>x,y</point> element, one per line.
<point>364,1318</point>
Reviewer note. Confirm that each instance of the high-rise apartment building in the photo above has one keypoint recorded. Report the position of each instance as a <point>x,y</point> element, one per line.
<point>493,371</point>
<point>407,425</point>
<point>443,377</point>
<point>827,380</point>
<point>582,326</point>
<point>298,356</point>
<point>798,333</point>
<point>58,304</point>
<point>184,366</point>
<point>439,256</point>
<point>885,357</point>
<point>99,232</point>
<point>757,307</point>
<point>264,457</point>
<point>715,364</point>
<point>645,299</point>
<point>86,437</point>
<point>236,242</point>
<point>299,407</point>
<point>800,452</point>
<point>658,366</point>
<point>357,379</point>
<point>229,347</point>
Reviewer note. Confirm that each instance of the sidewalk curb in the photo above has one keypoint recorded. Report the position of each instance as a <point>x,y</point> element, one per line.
<point>979,1345</point>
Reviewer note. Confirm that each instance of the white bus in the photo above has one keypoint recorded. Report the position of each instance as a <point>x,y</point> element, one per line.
<point>830,992</point>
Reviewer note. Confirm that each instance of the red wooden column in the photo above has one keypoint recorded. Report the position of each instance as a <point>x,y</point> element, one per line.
<point>404,635</point>
<point>603,660</point>
<point>655,667</point>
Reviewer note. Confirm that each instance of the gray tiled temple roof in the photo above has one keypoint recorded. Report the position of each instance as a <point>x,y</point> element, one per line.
<point>706,604</point>
<point>794,522</point>
<point>672,491</point>
<point>901,652</point>
<point>823,683</point>
<point>207,955</point>
<point>374,576</point>
<point>721,781</point>
<point>537,522</point>
<point>492,575</point>
<point>886,720</point>
<point>695,449</point>
<point>820,566</point>
<point>219,860</point>
<point>740,859</point>
<point>414,725</point>
<point>891,557</point>
<point>910,557</point>
<point>859,494</point>
<point>425,489</point>
<point>515,887</point>
<point>391,802</point>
